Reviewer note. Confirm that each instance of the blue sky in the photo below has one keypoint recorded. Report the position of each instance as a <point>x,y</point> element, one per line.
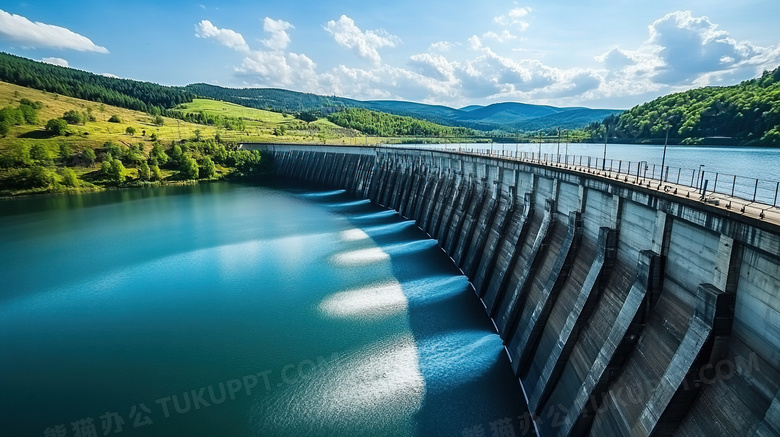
<point>596,53</point>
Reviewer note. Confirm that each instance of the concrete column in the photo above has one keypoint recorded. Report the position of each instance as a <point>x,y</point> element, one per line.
<point>682,380</point>
<point>529,337</point>
<point>594,284</point>
<point>614,352</point>
<point>496,234</point>
<point>499,281</point>
<point>516,298</point>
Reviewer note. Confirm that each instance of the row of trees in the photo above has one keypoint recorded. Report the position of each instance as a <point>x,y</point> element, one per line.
<point>38,167</point>
<point>387,125</point>
<point>200,117</point>
<point>25,113</point>
<point>272,99</point>
<point>748,113</point>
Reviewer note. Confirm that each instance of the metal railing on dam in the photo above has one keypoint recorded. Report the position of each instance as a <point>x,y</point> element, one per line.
<point>628,306</point>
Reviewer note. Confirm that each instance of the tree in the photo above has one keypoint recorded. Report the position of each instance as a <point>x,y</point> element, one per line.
<point>105,169</point>
<point>134,154</point>
<point>208,169</point>
<point>117,171</point>
<point>156,173</point>
<point>41,177</point>
<point>40,153</point>
<point>89,155</point>
<point>73,117</point>
<point>158,120</point>
<point>197,134</point>
<point>114,119</point>
<point>176,153</point>
<point>57,126</point>
<point>69,177</point>
<point>308,116</point>
<point>157,155</point>
<point>189,167</point>
<point>20,155</point>
<point>130,130</point>
<point>29,111</point>
<point>65,152</point>
<point>144,172</point>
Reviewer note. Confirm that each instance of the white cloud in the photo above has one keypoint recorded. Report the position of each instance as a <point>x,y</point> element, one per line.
<point>227,37</point>
<point>514,18</point>
<point>18,29</point>
<point>682,51</point>
<point>689,47</point>
<point>433,66</point>
<point>280,69</point>
<point>366,44</point>
<point>475,42</point>
<point>443,46</point>
<point>274,67</point>
<point>110,75</point>
<point>491,75</point>
<point>503,37</point>
<point>279,39</point>
<point>56,61</point>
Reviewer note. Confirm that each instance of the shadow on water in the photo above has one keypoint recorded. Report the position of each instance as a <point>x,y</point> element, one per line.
<point>459,352</point>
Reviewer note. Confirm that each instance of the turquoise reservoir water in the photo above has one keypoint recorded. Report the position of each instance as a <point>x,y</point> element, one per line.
<point>238,310</point>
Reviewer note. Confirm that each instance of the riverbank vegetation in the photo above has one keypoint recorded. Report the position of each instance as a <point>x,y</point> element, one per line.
<point>51,143</point>
<point>744,114</point>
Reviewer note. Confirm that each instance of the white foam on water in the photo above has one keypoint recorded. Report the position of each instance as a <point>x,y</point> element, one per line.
<point>360,257</point>
<point>379,386</point>
<point>354,235</point>
<point>376,301</point>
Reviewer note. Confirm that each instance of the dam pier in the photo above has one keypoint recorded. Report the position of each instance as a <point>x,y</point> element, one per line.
<point>624,309</point>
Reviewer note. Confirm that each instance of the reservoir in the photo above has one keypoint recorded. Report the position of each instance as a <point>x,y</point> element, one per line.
<point>239,310</point>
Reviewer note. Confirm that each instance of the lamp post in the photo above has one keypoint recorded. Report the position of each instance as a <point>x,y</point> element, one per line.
<point>566,153</point>
<point>558,152</point>
<point>540,147</point>
<point>604,159</point>
<point>699,176</point>
<point>663,160</point>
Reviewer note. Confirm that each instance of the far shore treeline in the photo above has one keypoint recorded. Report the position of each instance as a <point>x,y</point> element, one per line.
<point>745,114</point>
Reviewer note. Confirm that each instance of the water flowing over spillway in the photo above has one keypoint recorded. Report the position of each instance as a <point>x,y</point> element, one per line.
<point>225,309</point>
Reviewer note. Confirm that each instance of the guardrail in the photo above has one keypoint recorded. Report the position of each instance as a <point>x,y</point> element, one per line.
<point>753,190</point>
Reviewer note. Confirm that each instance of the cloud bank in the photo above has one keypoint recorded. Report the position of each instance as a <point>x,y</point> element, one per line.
<point>17,29</point>
<point>680,51</point>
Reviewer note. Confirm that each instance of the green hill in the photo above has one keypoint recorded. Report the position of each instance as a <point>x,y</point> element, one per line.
<point>744,114</point>
<point>124,93</point>
<point>574,118</point>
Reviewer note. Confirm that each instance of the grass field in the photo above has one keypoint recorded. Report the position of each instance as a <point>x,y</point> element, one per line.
<point>260,125</point>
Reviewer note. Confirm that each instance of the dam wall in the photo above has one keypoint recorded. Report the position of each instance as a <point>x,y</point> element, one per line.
<point>625,310</point>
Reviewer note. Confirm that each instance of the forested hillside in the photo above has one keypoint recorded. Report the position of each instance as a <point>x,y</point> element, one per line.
<point>386,125</point>
<point>124,93</point>
<point>745,114</point>
<point>272,99</point>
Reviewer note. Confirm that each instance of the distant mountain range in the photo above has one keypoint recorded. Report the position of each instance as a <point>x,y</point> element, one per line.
<point>498,116</point>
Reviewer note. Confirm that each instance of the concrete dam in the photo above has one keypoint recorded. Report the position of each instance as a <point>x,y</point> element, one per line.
<point>624,310</point>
